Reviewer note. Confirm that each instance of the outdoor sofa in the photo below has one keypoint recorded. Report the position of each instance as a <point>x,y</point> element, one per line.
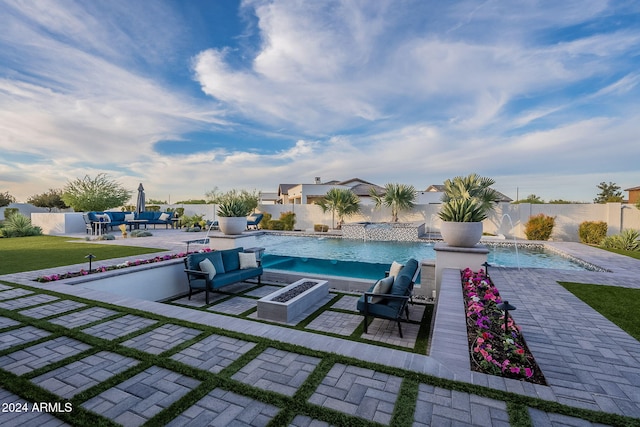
<point>112,219</point>
<point>227,267</point>
<point>388,298</point>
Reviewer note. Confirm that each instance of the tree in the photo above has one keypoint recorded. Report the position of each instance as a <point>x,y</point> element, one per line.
<point>51,199</point>
<point>531,198</point>
<point>398,197</point>
<point>156,202</point>
<point>94,194</point>
<point>340,201</point>
<point>609,193</point>
<point>6,198</point>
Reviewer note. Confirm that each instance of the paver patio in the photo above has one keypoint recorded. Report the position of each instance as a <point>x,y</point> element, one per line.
<point>594,367</point>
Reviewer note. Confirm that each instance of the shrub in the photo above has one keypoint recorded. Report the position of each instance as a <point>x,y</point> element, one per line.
<point>18,225</point>
<point>10,211</point>
<point>152,208</point>
<point>539,227</point>
<point>264,224</point>
<point>628,240</point>
<point>320,227</point>
<point>190,221</point>
<point>288,220</point>
<point>141,233</point>
<point>275,224</point>
<point>592,232</point>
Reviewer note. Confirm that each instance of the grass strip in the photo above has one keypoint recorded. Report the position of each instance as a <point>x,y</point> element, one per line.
<point>518,415</point>
<point>619,305</point>
<point>631,254</point>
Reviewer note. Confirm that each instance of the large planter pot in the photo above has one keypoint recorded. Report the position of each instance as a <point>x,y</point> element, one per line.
<point>461,234</point>
<point>232,225</point>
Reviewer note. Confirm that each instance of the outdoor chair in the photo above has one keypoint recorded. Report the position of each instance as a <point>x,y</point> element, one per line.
<point>253,220</point>
<point>87,223</point>
<point>388,298</point>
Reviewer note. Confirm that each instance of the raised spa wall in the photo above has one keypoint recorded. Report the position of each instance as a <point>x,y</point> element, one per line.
<point>383,231</point>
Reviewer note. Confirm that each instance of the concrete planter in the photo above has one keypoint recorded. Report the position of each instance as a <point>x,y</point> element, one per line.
<point>461,234</point>
<point>232,225</point>
<point>151,282</point>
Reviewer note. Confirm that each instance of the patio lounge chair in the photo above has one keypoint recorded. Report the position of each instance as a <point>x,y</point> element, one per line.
<point>253,220</point>
<point>388,298</point>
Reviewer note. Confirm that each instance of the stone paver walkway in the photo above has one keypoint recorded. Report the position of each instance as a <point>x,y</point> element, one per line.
<point>221,408</point>
<point>361,392</point>
<point>276,370</point>
<point>69,380</point>
<point>142,396</point>
<point>589,362</point>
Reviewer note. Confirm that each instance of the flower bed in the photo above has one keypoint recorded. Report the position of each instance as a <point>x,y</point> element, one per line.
<point>494,351</point>
<point>101,269</point>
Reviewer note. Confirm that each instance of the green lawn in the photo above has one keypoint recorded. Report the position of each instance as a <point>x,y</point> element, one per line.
<point>620,305</point>
<point>33,253</point>
<point>632,254</point>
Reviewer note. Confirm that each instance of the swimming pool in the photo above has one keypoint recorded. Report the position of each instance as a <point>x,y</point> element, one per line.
<point>370,259</point>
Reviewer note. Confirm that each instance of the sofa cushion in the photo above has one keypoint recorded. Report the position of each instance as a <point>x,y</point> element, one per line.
<point>164,216</point>
<point>247,260</point>
<point>103,217</point>
<point>383,286</point>
<point>207,266</point>
<point>193,260</point>
<point>216,260</point>
<point>230,259</point>
<point>129,216</point>
<point>378,310</point>
<point>395,268</point>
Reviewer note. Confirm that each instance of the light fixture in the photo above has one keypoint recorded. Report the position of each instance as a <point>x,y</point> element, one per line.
<point>90,257</point>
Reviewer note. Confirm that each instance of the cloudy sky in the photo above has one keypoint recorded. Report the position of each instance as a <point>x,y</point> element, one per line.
<point>182,96</point>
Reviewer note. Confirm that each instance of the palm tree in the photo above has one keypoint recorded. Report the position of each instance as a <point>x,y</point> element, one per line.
<point>340,201</point>
<point>398,197</point>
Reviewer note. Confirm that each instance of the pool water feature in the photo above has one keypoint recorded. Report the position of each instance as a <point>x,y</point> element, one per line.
<point>370,259</point>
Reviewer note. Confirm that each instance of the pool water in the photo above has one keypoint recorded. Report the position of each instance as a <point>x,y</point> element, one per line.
<point>370,259</point>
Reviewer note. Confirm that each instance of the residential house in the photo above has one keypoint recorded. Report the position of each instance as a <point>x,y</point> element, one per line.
<point>634,195</point>
<point>433,194</point>
<point>301,194</point>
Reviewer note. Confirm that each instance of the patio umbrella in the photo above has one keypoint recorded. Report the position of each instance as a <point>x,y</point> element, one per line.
<point>140,202</point>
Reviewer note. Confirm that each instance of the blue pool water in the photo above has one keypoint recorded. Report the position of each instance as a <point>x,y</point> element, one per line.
<point>370,259</point>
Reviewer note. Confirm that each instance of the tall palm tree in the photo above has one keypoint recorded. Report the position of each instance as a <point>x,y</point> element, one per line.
<point>398,197</point>
<point>340,201</point>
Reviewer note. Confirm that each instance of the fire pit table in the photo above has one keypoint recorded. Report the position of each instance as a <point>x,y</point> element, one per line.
<point>291,301</point>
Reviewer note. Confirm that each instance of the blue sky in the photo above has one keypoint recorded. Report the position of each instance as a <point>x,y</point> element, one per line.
<point>542,95</point>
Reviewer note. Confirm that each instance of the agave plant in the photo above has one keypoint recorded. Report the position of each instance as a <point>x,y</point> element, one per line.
<point>628,240</point>
<point>18,225</point>
<point>235,203</point>
<point>468,199</point>
<point>398,197</point>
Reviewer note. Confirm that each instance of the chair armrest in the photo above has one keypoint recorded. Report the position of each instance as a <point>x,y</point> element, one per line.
<point>385,296</point>
<point>196,272</point>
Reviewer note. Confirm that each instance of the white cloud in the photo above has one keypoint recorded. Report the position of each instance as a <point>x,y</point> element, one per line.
<point>409,92</point>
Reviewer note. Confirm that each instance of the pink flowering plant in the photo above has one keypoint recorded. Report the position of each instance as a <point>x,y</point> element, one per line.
<point>494,350</point>
<point>101,269</point>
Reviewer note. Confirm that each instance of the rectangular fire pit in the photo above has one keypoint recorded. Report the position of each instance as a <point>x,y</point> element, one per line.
<point>291,301</point>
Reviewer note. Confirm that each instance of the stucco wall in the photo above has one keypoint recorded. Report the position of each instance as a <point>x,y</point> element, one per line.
<point>568,217</point>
